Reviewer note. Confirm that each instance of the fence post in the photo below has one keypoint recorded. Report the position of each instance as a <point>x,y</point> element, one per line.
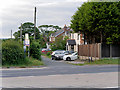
<point>100,51</point>
<point>95,52</point>
<point>88,52</point>
<point>91,51</point>
<point>110,50</point>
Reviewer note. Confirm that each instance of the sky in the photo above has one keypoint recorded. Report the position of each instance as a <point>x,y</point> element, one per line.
<point>49,12</point>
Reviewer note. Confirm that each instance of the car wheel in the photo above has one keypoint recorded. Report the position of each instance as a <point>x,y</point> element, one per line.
<point>52,58</point>
<point>68,58</point>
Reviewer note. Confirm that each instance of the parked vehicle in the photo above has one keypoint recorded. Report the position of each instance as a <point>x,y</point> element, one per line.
<point>72,56</point>
<point>44,50</point>
<point>70,52</point>
<point>58,54</point>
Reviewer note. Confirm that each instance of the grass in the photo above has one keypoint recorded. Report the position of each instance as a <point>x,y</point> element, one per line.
<point>30,63</point>
<point>46,55</point>
<point>101,62</point>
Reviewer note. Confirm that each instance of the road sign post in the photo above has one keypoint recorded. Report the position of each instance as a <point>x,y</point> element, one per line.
<point>27,43</point>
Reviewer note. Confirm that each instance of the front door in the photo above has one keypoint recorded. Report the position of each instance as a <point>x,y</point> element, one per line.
<point>72,47</point>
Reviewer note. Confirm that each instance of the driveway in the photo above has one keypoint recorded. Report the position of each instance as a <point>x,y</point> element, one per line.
<point>59,74</point>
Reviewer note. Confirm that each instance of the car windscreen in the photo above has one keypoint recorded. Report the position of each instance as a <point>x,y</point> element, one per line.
<point>75,53</point>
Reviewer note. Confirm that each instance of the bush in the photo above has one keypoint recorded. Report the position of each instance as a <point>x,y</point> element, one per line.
<point>35,50</point>
<point>48,53</point>
<point>12,53</point>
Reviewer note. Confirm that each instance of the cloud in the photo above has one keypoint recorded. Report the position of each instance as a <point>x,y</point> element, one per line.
<point>76,0</point>
<point>55,12</point>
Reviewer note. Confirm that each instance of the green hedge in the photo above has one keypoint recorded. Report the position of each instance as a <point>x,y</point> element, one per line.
<point>12,53</point>
<point>35,50</point>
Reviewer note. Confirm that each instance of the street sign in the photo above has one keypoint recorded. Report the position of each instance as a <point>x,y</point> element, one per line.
<point>27,42</point>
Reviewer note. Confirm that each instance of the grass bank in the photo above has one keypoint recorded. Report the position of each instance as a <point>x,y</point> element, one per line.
<point>101,62</point>
<point>30,63</point>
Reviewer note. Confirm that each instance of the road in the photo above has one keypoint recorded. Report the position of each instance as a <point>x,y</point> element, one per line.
<point>59,74</point>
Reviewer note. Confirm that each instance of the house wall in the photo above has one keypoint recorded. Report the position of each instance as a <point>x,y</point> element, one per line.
<point>52,39</point>
<point>78,38</point>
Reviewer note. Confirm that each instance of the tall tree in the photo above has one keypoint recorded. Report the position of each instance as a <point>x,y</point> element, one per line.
<point>27,27</point>
<point>98,20</point>
<point>47,30</point>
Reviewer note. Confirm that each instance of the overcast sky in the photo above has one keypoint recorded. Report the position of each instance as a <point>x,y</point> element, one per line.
<point>55,12</point>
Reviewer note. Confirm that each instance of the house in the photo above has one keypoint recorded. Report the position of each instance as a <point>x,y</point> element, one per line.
<point>63,32</point>
<point>75,40</point>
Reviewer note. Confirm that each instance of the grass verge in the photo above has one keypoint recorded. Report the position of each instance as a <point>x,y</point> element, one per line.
<point>46,55</point>
<point>30,63</point>
<point>101,62</point>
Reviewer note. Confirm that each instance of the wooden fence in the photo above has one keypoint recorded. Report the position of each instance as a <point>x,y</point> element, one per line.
<point>90,50</point>
<point>99,51</point>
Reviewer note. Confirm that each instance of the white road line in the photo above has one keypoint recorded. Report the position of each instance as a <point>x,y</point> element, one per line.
<point>23,68</point>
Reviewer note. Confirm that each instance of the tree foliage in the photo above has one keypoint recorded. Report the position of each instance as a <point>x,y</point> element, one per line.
<point>59,44</point>
<point>12,53</point>
<point>35,50</point>
<point>27,27</point>
<point>99,21</point>
<point>47,30</point>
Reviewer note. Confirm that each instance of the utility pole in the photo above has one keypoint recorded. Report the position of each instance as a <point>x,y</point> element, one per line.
<point>21,33</point>
<point>35,23</point>
<point>11,34</point>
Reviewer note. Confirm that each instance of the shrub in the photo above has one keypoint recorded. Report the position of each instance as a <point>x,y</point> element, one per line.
<point>35,50</point>
<point>12,53</point>
<point>48,53</point>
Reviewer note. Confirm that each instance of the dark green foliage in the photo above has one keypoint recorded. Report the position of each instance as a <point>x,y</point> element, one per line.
<point>99,21</point>
<point>48,53</point>
<point>46,31</point>
<point>59,44</point>
<point>27,27</point>
<point>35,50</point>
<point>12,53</point>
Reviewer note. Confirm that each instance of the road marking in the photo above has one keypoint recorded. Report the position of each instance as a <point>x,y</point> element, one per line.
<point>111,87</point>
<point>23,68</point>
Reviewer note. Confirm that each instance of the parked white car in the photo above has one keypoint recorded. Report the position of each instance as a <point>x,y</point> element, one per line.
<point>73,56</point>
<point>58,54</point>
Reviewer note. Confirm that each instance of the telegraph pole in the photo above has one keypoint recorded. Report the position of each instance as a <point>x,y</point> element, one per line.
<point>35,23</point>
<point>21,33</point>
<point>11,34</point>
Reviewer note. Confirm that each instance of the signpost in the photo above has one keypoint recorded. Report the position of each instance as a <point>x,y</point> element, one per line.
<point>27,43</point>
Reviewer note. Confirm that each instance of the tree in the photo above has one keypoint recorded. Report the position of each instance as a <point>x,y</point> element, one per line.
<point>27,27</point>
<point>35,50</point>
<point>47,30</point>
<point>44,28</point>
<point>96,20</point>
<point>59,44</point>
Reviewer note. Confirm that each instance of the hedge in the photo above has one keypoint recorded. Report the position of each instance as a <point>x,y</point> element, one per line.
<point>12,53</point>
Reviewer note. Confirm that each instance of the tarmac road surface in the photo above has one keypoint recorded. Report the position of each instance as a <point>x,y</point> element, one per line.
<point>58,74</point>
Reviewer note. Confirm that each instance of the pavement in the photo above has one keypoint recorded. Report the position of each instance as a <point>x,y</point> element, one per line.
<point>99,80</point>
<point>59,74</point>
